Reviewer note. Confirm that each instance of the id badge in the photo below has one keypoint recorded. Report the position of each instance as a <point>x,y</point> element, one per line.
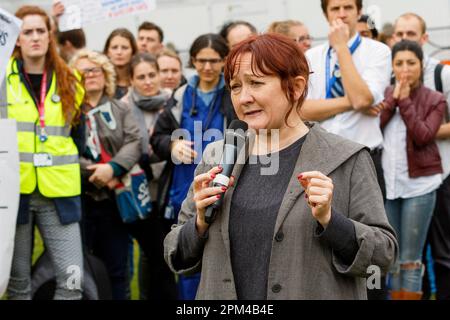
<point>42,160</point>
<point>169,213</point>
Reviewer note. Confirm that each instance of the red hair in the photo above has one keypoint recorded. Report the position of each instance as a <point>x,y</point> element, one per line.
<point>66,82</point>
<point>272,54</point>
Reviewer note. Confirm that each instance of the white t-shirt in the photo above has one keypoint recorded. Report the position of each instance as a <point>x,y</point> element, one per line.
<point>395,164</point>
<point>372,59</point>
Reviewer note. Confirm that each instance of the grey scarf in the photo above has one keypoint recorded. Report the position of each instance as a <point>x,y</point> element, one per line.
<point>141,104</point>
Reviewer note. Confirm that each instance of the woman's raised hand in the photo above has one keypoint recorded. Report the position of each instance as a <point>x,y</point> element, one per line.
<point>319,193</point>
<point>402,88</point>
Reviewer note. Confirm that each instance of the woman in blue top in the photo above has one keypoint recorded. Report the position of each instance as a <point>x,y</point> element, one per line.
<point>197,115</point>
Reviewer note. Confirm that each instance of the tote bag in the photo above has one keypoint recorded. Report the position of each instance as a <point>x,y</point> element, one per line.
<point>133,196</point>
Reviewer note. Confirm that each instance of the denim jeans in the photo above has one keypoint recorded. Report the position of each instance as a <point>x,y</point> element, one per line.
<point>188,286</point>
<point>410,218</point>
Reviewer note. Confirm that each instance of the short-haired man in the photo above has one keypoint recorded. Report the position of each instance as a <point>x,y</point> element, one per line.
<point>413,27</point>
<point>70,42</point>
<point>350,74</point>
<point>150,38</point>
<point>236,31</point>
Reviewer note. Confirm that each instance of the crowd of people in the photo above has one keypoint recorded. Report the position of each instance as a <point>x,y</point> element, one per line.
<point>363,131</point>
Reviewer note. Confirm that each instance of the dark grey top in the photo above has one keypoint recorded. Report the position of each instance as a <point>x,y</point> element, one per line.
<point>253,213</point>
<point>254,208</point>
<point>255,205</point>
<point>304,263</point>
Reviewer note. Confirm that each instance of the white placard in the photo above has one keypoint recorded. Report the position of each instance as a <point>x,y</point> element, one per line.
<point>9,196</point>
<point>9,31</point>
<point>79,13</point>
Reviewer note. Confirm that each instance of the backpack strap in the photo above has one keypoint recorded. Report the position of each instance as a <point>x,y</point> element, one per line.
<point>438,77</point>
<point>392,79</point>
<point>439,87</point>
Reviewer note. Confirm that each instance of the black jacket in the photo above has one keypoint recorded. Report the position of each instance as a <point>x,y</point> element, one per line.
<point>168,121</point>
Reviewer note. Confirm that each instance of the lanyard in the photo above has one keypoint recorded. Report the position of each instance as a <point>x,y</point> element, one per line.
<point>41,105</point>
<point>330,80</point>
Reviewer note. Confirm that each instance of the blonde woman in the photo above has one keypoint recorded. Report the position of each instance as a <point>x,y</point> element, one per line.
<point>170,70</point>
<point>112,148</point>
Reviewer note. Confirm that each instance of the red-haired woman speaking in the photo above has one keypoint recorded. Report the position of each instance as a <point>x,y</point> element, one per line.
<point>305,225</point>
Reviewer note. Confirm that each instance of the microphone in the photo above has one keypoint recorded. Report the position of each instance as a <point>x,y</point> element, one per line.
<point>234,141</point>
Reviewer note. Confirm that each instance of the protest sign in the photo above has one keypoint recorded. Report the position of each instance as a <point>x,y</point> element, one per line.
<point>9,196</point>
<point>9,31</point>
<point>79,13</point>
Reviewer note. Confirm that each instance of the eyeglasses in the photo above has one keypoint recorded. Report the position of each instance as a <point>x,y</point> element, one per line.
<point>203,62</point>
<point>304,38</point>
<point>95,71</point>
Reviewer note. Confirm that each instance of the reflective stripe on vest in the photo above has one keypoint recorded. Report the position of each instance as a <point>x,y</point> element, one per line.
<point>57,160</point>
<point>49,130</point>
<point>26,127</point>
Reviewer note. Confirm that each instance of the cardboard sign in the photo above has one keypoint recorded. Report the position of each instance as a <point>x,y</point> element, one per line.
<point>79,13</point>
<point>9,196</point>
<point>9,31</point>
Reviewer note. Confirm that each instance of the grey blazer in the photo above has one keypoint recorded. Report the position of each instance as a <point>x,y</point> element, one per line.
<point>302,265</point>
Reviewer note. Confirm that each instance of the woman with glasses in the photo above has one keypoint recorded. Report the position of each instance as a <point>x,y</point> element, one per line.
<point>295,30</point>
<point>44,95</point>
<point>112,148</point>
<point>200,107</point>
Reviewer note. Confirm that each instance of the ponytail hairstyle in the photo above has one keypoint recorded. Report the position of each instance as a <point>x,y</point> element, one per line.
<point>67,83</point>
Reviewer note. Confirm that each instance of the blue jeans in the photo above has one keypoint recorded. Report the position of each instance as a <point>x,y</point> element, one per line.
<point>410,218</point>
<point>188,285</point>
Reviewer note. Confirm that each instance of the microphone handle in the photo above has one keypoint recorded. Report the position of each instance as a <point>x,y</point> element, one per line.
<point>227,162</point>
<point>210,214</point>
<point>211,210</point>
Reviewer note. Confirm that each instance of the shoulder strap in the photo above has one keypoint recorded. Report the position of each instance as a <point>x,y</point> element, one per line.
<point>438,77</point>
<point>438,85</point>
<point>3,100</point>
<point>392,79</point>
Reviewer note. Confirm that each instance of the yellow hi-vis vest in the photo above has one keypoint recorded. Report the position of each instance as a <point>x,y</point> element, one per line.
<point>62,178</point>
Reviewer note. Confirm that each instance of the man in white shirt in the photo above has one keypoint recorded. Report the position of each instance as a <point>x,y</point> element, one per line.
<point>364,75</point>
<point>350,74</point>
<point>412,27</point>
